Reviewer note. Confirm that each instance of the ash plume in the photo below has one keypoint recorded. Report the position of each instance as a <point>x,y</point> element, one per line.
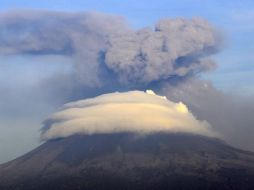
<point>105,55</point>
<point>105,47</point>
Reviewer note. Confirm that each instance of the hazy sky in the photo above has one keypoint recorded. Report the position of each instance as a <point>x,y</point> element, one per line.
<point>20,123</point>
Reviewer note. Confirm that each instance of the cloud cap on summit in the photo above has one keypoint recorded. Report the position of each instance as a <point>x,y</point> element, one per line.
<point>133,111</point>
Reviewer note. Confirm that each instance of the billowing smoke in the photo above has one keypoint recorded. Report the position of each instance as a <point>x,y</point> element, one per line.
<point>106,50</point>
<point>174,47</point>
<point>81,36</point>
<point>133,111</point>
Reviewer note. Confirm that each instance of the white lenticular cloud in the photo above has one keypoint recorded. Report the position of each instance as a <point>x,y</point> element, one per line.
<point>133,111</point>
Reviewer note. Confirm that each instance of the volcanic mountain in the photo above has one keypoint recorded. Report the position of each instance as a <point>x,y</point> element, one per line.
<point>131,161</point>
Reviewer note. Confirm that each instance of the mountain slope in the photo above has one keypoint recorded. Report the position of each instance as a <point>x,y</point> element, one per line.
<point>128,161</point>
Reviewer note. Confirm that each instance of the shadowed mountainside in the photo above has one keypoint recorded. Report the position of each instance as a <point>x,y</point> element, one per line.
<point>128,161</point>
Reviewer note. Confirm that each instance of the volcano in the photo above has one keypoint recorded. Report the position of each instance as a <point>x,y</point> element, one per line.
<point>130,161</point>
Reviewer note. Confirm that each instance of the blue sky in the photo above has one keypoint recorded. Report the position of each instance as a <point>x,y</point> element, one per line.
<point>235,72</point>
